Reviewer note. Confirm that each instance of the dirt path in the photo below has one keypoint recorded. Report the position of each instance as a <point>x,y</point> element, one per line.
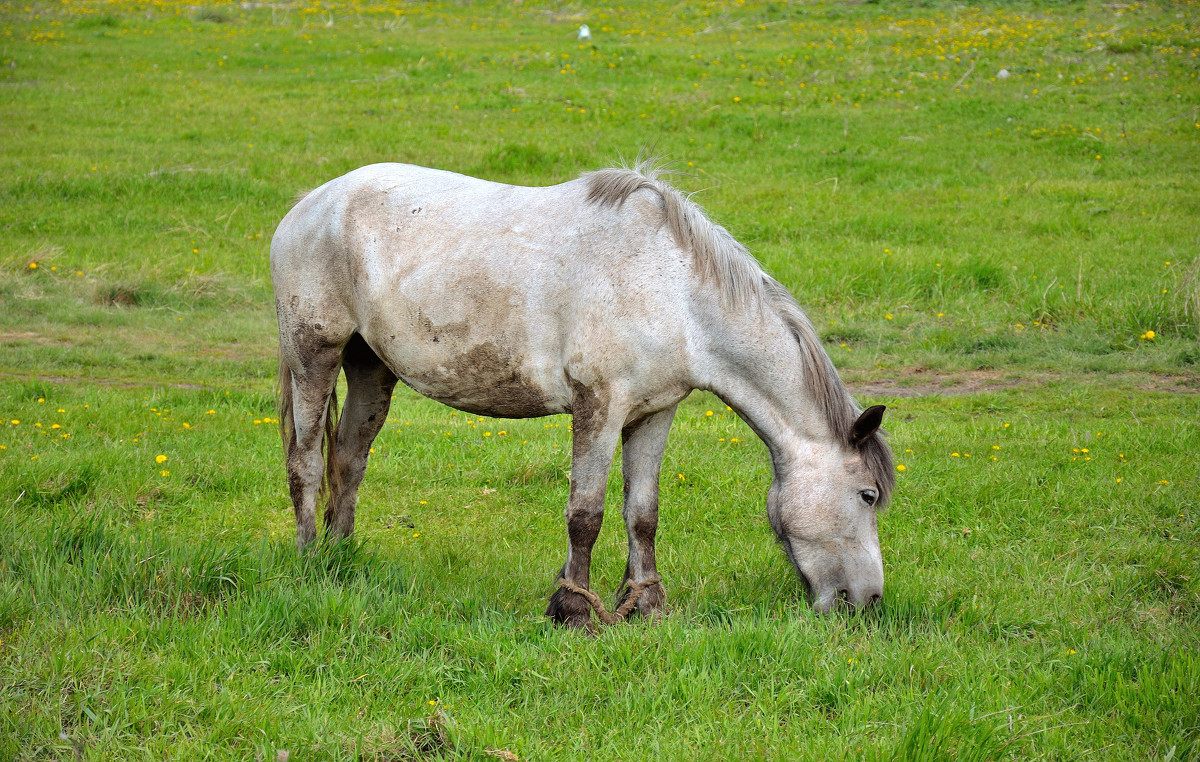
<point>923,382</point>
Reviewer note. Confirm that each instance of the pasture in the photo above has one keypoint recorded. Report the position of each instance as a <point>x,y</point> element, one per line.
<point>988,212</point>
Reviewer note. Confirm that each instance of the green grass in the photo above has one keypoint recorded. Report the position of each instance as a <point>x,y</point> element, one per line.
<point>986,255</point>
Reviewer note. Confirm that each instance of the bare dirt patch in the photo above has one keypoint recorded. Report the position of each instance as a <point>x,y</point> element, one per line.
<point>923,382</point>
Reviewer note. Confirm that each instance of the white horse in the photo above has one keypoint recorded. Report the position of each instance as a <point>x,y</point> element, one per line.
<point>610,297</point>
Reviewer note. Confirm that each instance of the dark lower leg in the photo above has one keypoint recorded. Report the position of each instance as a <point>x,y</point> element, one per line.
<point>592,449</point>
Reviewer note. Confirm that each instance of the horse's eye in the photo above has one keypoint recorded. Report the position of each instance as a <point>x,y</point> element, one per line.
<point>869,496</point>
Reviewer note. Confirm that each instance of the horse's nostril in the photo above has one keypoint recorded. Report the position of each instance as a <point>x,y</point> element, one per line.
<point>874,598</point>
<point>842,595</point>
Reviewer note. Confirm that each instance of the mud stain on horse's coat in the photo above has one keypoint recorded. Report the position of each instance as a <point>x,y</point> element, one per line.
<point>484,380</point>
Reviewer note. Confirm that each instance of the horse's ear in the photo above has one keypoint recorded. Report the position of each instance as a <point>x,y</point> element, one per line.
<point>867,424</point>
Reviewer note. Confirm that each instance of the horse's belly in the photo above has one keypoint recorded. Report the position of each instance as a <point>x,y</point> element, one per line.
<point>483,378</point>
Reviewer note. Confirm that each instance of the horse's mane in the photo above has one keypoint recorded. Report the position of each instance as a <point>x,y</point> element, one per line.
<point>742,283</point>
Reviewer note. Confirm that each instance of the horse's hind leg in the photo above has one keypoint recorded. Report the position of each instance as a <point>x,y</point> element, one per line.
<point>369,385</point>
<point>643,444</point>
<point>310,396</point>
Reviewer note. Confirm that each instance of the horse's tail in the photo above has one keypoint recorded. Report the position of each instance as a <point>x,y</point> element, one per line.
<point>283,407</point>
<point>331,484</point>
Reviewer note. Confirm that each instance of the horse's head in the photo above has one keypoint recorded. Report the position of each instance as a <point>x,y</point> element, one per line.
<point>823,510</point>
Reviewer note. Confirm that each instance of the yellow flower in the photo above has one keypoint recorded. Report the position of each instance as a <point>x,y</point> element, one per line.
<point>166,473</point>
<point>160,459</point>
<point>33,265</point>
<point>901,467</point>
<point>708,412</point>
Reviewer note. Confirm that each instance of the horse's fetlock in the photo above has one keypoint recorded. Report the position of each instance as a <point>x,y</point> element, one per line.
<point>651,600</point>
<point>570,610</point>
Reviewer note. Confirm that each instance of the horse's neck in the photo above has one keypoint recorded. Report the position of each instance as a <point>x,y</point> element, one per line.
<point>759,372</point>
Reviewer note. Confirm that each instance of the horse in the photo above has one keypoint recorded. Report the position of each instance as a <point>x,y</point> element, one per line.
<point>609,297</point>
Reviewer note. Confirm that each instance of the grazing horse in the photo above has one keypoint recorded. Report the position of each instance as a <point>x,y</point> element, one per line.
<point>610,297</point>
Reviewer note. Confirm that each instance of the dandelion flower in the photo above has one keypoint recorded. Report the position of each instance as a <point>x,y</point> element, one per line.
<point>901,467</point>
<point>160,458</point>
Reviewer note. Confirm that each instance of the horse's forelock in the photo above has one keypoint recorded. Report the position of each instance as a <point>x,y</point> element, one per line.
<point>877,457</point>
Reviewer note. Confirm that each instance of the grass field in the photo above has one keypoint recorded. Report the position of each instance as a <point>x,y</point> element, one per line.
<point>990,213</point>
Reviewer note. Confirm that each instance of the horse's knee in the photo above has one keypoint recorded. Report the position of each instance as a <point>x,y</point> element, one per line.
<point>583,524</point>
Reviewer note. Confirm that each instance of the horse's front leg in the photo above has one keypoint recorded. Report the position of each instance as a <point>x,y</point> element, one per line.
<point>643,444</point>
<point>596,429</point>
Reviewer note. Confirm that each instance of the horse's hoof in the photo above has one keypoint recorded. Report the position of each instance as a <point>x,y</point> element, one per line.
<point>652,603</point>
<point>570,610</point>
